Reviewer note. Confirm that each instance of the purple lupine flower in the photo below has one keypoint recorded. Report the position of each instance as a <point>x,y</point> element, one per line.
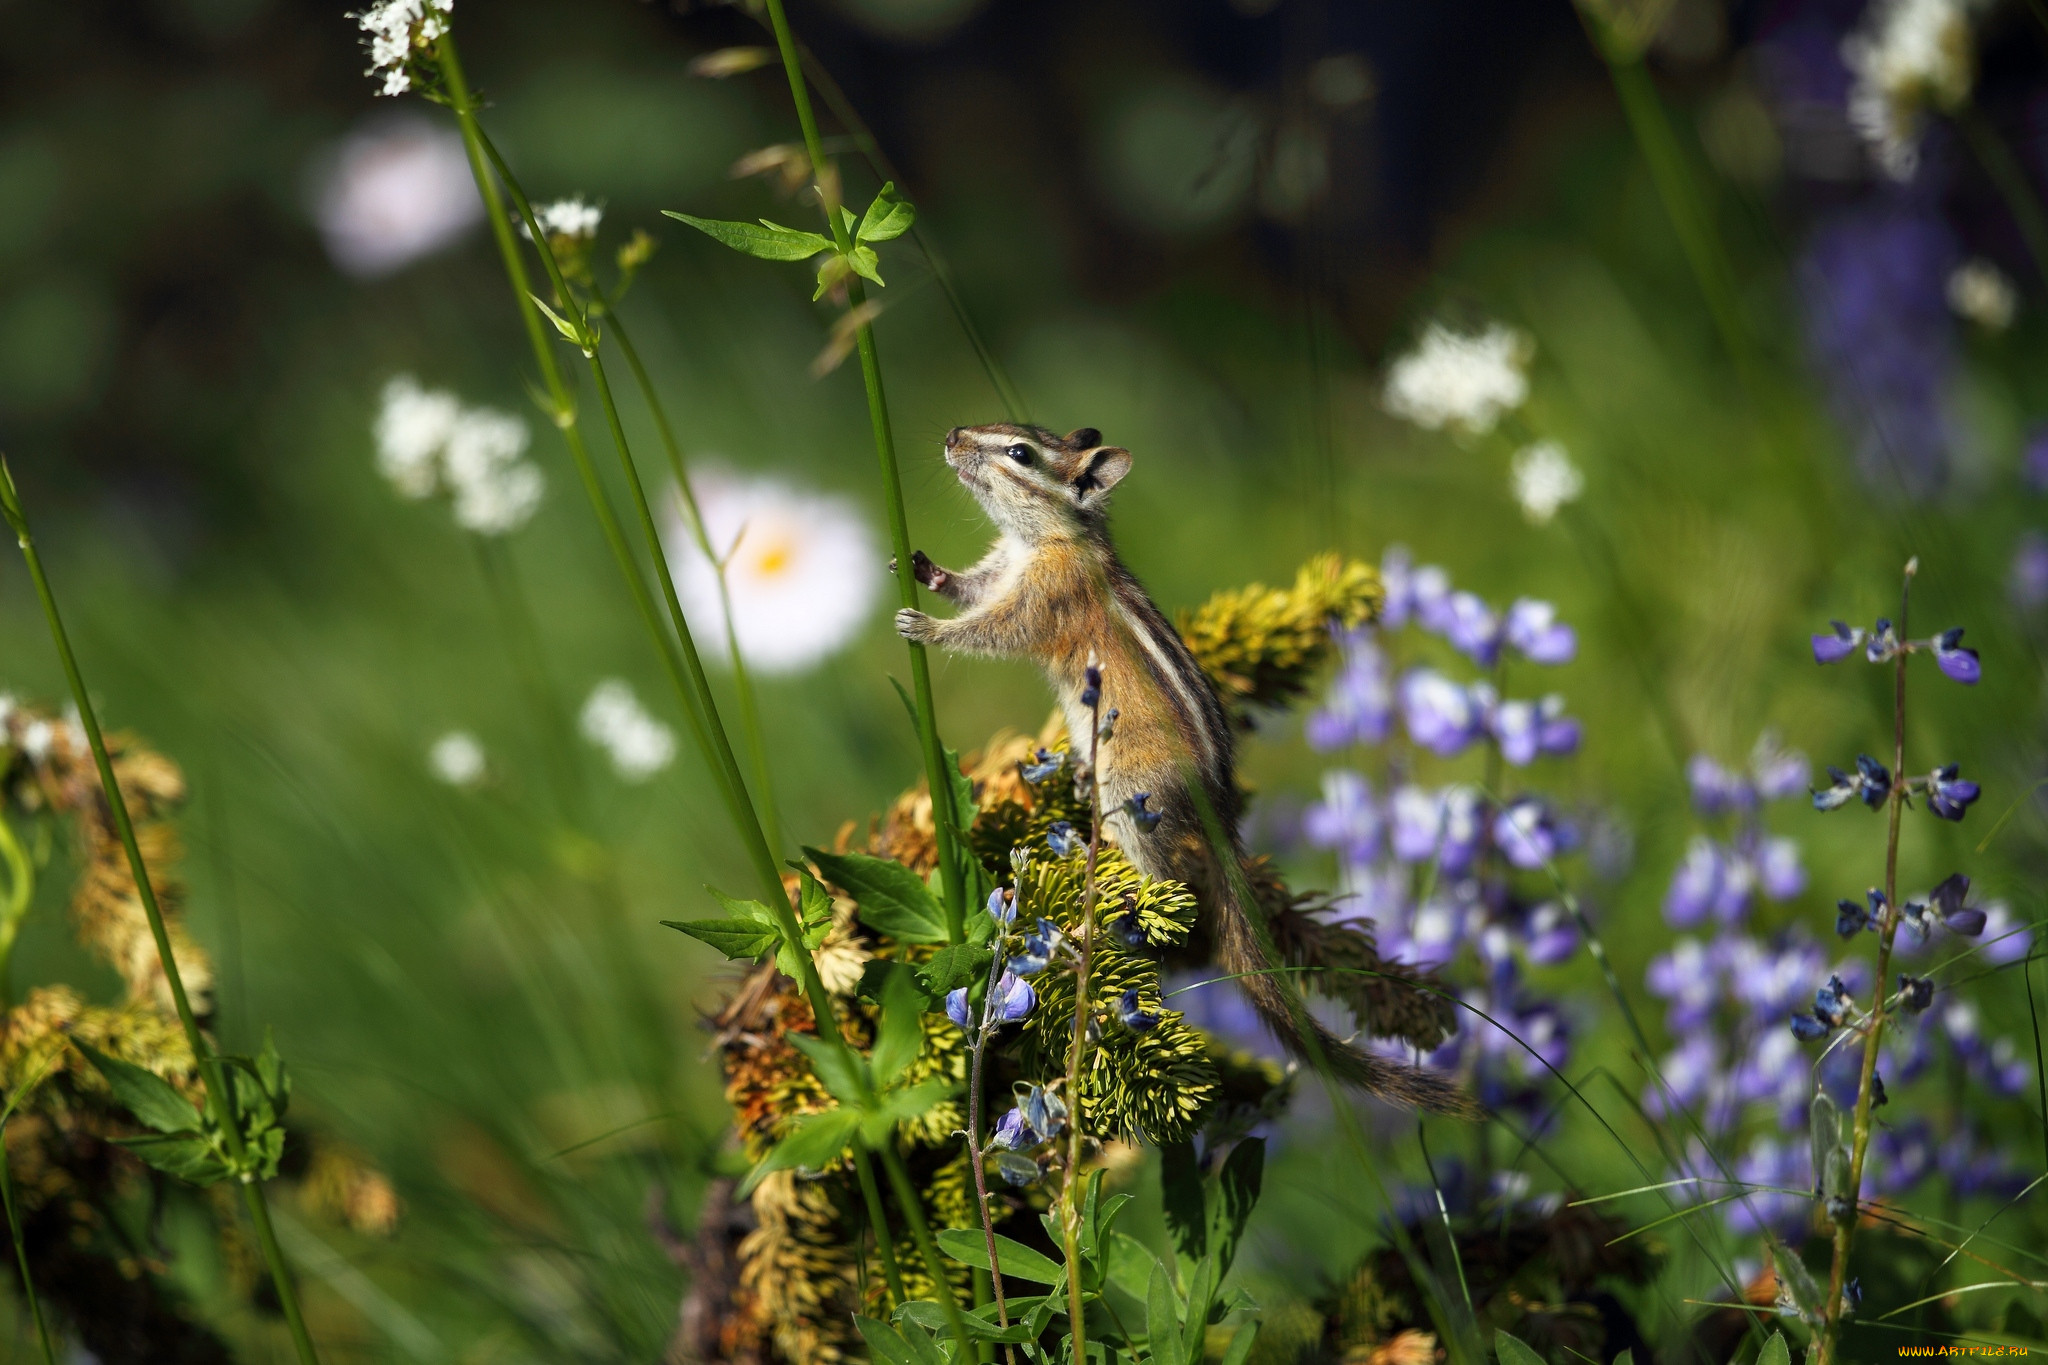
<point>1526,833</point>
<point>1851,918</point>
<point>1463,827</point>
<point>1377,892</point>
<point>1883,644</point>
<point>1416,822</point>
<point>1145,820</point>
<point>956,1006</point>
<point>1873,285</point>
<point>1901,1156</point>
<point>1954,659</point>
<point>1973,1168</point>
<point>1439,714</point>
<point>1777,772</point>
<point>1838,644</point>
<point>1949,796</point>
<point>1689,1071</point>
<point>1517,726</point>
<point>1359,707</point>
<point>1714,788</point>
<point>1533,629</point>
<point>1472,628</point>
<point>1397,577</point>
<point>1062,840</point>
<point>1133,1015</point>
<point>1779,871</point>
<point>1948,901</point>
<point>1041,766</point>
<point>1916,993</point>
<point>1436,930</point>
<point>1738,885</point>
<point>1040,946</point>
<point>1871,783</point>
<point>2026,582</point>
<point>1039,1115</point>
<point>1770,1167</point>
<point>1559,734</point>
<point>1689,977</point>
<point>1831,1002</point>
<point>1696,885</point>
<point>1014,999</point>
<point>1429,596</point>
<point>1768,980</point>
<point>1809,1028</point>
<point>1550,934</point>
<point>2006,939</point>
<point>1347,819</point>
<point>1002,905</point>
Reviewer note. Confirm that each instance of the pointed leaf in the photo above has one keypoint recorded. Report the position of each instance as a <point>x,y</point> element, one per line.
<point>270,1072</point>
<point>887,217</point>
<point>1201,1294</point>
<point>874,981</point>
<point>969,1246</point>
<point>569,330</point>
<point>901,1106</point>
<point>769,241</point>
<point>154,1101</point>
<point>736,938</point>
<point>954,966</point>
<point>886,1345</point>
<point>1180,1189</point>
<point>1240,1348</point>
<point>930,1315</point>
<point>1231,1202</point>
<point>1627,1357</point>
<point>815,1141</point>
<point>1775,1351</point>
<point>1513,1350</point>
<point>892,899</point>
<point>1162,1327</point>
<point>866,264</point>
<point>1130,1264</point>
<point>899,1036</point>
<point>837,1065</point>
<point>188,1156</point>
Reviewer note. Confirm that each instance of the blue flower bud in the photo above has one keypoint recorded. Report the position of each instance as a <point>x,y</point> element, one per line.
<point>1953,659</point>
<point>956,1006</point>
<point>1145,820</point>
<point>1831,1002</point>
<point>1062,840</point>
<point>1916,993</point>
<point>1948,899</point>
<point>1013,1000</point>
<point>1016,1169</point>
<point>1949,796</point>
<point>1135,1018</point>
<point>1807,1028</point>
<point>1002,905</point>
<point>1883,644</point>
<point>1045,764</point>
<point>1851,918</point>
<point>1838,645</point>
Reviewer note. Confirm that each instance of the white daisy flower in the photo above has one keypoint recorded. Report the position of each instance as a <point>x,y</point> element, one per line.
<point>1464,381</point>
<point>803,569</point>
<point>614,720</point>
<point>428,441</point>
<point>397,29</point>
<point>457,758</point>
<point>1981,292</point>
<point>573,217</point>
<point>1907,56</point>
<point>392,192</point>
<point>1544,479</point>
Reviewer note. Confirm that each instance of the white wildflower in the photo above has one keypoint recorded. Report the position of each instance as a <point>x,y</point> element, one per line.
<point>1980,291</point>
<point>1907,56</point>
<point>396,29</point>
<point>426,440</point>
<point>1460,380</point>
<point>36,738</point>
<point>614,720</point>
<point>1545,479</point>
<point>573,217</point>
<point>803,569</point>
<point>457,758</point>
<point>391,192</point>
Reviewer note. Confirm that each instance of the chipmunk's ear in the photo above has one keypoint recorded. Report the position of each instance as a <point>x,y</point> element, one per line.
<point>1082,438</point>
<point>1101,470</point>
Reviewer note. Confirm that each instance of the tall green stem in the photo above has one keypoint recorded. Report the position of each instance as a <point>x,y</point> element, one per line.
<point>743,681</point>
<point>1077,1049</point>
<point>951,872</point>
<point>218,1096</point>
<point>1851,1200</point>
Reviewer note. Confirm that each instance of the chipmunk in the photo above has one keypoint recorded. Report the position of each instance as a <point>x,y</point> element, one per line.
<point>1053,590</point>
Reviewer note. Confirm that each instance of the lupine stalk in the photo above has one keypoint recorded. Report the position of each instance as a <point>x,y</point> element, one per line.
<point>685,669</point>
<point>1851,1203</point>
<point>949,839</point>
<point>1070,1214</point>
<point>218,1096</point>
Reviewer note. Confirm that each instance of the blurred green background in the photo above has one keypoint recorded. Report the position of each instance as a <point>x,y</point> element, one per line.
<point>1200,227</point>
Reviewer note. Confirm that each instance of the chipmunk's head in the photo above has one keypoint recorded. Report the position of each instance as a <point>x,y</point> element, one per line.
<point>1033,483</point>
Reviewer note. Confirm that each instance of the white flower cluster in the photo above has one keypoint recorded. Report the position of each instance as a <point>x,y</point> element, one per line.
<point>426,440</point>
<point>1544,479</point>
<point>573,217</point>
<point>1460,380</point>
<point>1980,292</point>
<point>614,720</point>
<point>802,569</point>
<point>1906,56</point>
<point>396,28</point>
<point>457,758</point>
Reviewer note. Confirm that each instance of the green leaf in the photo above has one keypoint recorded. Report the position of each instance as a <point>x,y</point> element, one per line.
<point>928,1314</point>
<point>814,904</point>
<point>874,981</point>
<point>899,1036</point>
<point>1628,1357</point>
<point>954,966</point>
<point>1201,1295</point>
<point>1775,1351</point>
<point>1162,1327</point>
<point>154,1101</point>
<point>571,332</point>
<point>1180,1189</point>
<point>866,264</point>
<point>1130,1264</point>
<point>887,217</point>
<point>769,241</point>
<point>814,1142</point>
<point>736,938</point>
<point>837,1065</point>
<point>1514,1351</point>
<point>1231,1201</point>
<point>188,1156</point>
<point>892,899</point>
<point>901,1106</point>
<point>1240,1348</point>
<point>969,1246</point>
<point>271,1075</point>
<point>961,788</point>
<point>886,1345</point>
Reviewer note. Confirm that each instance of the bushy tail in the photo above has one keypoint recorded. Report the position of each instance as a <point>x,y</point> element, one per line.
<point>1238,950</point>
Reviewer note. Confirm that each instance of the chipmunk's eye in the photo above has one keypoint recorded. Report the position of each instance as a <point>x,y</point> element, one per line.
<point>1020,452</point>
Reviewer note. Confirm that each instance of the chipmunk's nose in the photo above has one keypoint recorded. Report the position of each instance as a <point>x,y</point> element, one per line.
<point>953,438</point>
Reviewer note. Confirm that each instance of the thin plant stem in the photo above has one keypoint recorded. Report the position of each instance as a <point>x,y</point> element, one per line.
<point>28,1283</point>
<point>219,1097</point>
<point>921,1234</point>
<point>1070,1213</point>
<point>885,1246</point>
<point>950,840</point>
<point>743,680</point>
<point>689,682</point>
<point>1845,1221</point>
<point>974,1148</point>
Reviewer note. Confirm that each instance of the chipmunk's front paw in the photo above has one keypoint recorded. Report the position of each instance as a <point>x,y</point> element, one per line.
<point>928,573</point>
<point>913,624</point>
